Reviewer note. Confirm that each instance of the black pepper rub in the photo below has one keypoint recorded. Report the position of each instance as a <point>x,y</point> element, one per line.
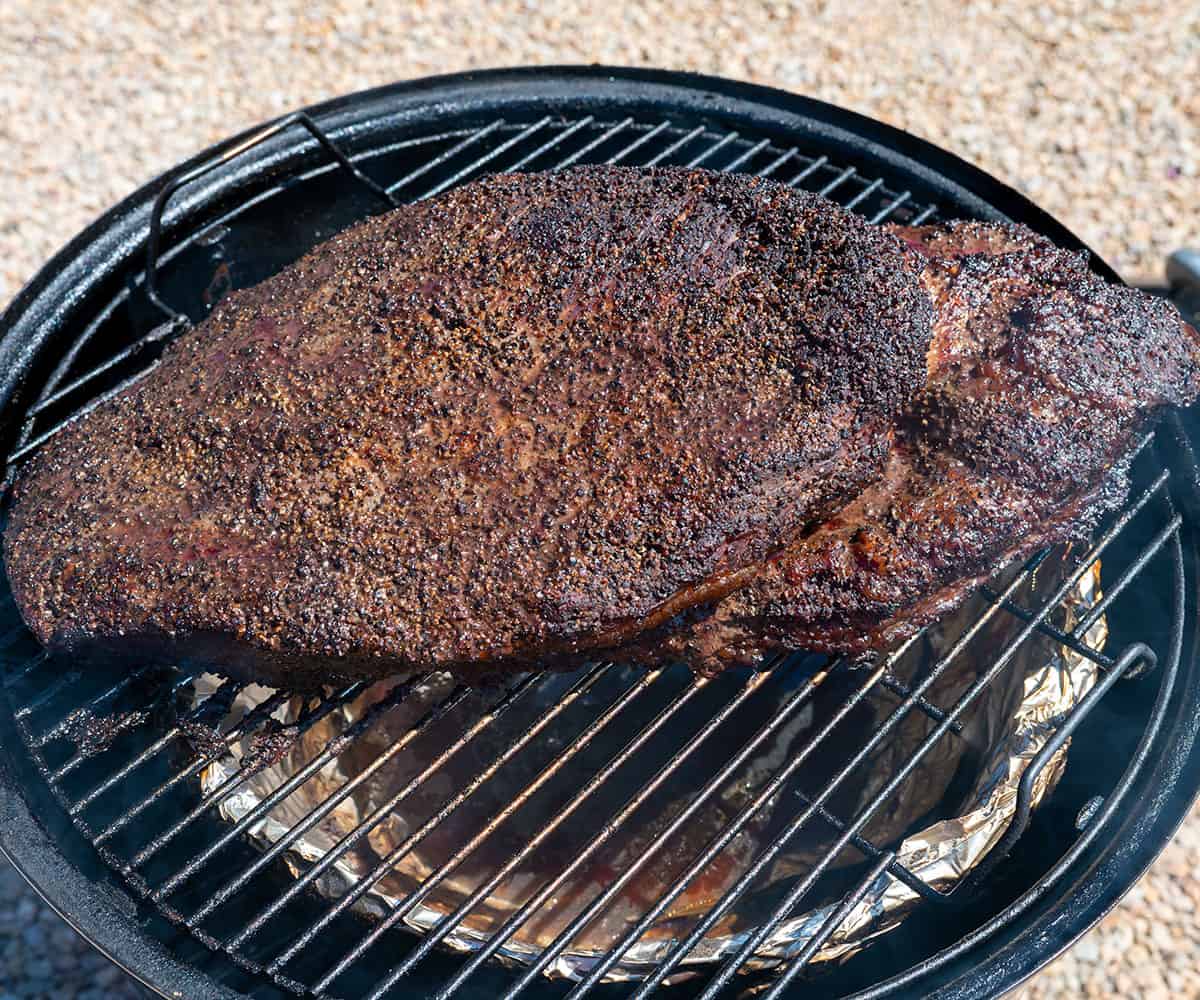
<point>1042,378</point>
<point>537,414</point>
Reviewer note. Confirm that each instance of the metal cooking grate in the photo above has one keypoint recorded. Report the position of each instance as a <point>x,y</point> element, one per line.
<point>122,760</point>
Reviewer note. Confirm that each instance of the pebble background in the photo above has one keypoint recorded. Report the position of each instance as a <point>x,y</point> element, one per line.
<point>42,957</point>
<point>1092,108</point>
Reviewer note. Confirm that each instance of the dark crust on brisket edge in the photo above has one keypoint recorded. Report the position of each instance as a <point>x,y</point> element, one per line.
<point>535,415</point>
<point>1042,378</point>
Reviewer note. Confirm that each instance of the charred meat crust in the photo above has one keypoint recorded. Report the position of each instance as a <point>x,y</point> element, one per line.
<point>538,414</point>
<point>1041,379</point>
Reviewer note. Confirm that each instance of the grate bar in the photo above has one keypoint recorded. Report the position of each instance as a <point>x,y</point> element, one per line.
<point>1130,511</point>
<point>756,938</point>
<point>476,136</point>
<point>593,909</point>
<point>808,171</point>
<point>1128,575</point>
<point>599,140</point>
<point>890,207</point>
<point>778,162</point>
<point>363,885</point>
<point>446,809</point>
<point>893,684</point>
<point>444,926</point>
<point>748,155</point>
<point>1051,631</point>
<point>550,144</point>
<point>73,717</point>
<point>160,333</point>
<point>864,194</point>
<point>837,182</point>
<point>828,927</point>
<point>675,147</point>
<point>716,147</point>
<point>35,661</point>
<point>330,802</point>
<point>394,698</point>
<point>251,718</point>
<point>71,355</point>
<point>510,925</point>
<point>1142,444</point>
<point>470,168</point>
<point>638,143</point>
<point>222,791</point>
<point>1075,638</point>
<point>122,725</point>
<point>869,850</point>
<point>48,694</point>
<point>923,215</point>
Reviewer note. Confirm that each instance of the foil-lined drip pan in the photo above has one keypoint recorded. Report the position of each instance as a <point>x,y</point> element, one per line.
<point>946,816</point>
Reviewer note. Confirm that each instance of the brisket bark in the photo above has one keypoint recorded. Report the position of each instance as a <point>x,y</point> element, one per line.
<point>640,413</point>
<point>1042,378</point>
<point>539,413</point>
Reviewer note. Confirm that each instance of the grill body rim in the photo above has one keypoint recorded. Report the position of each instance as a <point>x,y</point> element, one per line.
<point>1002,956</point>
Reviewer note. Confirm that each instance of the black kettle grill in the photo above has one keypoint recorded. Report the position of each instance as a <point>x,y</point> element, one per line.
<point>100,803</point>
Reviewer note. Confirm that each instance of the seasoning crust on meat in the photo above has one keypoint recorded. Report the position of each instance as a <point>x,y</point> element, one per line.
<point>537,414</point>
<point>1041,379</point>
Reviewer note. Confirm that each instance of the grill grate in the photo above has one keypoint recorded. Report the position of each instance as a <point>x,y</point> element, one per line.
<point>138,803</point>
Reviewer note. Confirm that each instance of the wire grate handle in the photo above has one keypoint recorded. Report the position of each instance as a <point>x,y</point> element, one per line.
<point>177,319</point>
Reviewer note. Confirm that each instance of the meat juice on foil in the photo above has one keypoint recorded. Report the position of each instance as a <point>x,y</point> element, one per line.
<point>949,812</point>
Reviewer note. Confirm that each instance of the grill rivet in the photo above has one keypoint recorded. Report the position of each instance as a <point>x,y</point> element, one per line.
<point>1088,812</point>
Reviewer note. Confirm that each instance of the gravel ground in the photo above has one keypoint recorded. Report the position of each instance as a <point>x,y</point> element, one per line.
<point>1090,108</point>
<point>41,958</point>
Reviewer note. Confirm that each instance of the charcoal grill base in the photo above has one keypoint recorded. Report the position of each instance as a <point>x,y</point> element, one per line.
<point>1054,885</point>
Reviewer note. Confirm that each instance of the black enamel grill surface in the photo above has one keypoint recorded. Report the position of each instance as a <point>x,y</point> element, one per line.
<point>100,799</point>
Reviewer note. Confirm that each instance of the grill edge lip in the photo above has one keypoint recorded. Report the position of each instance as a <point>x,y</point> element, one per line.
<point>117,237</point>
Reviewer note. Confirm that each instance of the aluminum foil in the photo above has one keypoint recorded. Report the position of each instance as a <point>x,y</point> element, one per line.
<point>960,799</point>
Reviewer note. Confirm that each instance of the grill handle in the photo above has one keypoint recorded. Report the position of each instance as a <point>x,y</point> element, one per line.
<point>1183,277</point>
<point>176,319</point>
<point>1183,271</point>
